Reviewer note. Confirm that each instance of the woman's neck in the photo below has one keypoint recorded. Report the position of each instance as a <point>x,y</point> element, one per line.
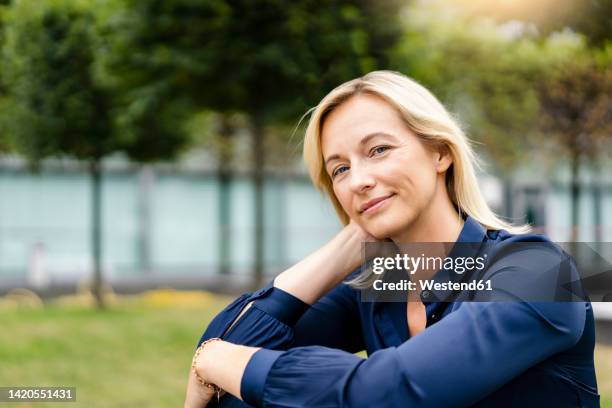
<point>440,222</point>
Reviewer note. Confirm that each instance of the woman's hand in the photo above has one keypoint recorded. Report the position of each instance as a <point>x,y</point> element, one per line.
<point>359,233</point>
<point>349,242</point>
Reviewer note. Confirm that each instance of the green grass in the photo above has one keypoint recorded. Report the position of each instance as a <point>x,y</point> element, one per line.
<point>603,366</point>
<point>134,354</point>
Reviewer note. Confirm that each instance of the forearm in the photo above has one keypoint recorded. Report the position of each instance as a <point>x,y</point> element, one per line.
<point>318,273</point>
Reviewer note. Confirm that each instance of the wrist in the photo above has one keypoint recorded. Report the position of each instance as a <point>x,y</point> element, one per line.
<point>203,359</point>
<point>348,247</point>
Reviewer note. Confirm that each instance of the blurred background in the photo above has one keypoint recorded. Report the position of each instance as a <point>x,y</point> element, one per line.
<point>150,158</point>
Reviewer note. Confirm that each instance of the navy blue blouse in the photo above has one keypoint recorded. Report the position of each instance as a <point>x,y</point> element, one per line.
<point>477,354</point>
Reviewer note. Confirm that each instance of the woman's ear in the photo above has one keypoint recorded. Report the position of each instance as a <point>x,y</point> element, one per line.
<point>443,159</point>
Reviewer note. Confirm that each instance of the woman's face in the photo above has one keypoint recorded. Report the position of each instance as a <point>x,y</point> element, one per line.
<point>382,175</point>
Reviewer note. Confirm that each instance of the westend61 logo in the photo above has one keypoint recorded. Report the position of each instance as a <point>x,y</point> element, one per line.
<point>412,264</point>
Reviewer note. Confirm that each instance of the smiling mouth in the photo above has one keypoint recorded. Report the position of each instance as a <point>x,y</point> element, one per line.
<point>372,208</point>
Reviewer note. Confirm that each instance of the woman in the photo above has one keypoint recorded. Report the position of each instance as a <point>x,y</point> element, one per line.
<point>397,167</point>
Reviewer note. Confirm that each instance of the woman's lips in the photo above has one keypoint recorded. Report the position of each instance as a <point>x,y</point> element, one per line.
<point>378,205</point>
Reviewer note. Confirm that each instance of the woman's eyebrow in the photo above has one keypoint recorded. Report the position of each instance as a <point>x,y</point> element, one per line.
<point>363,141</point>
<point>367,138</point>
<point>330,158</point>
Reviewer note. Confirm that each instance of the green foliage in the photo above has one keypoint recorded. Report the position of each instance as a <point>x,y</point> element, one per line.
<point>55,104</point>
<point>58,100</point>
<point>266,57</point>
<point>4,143</point>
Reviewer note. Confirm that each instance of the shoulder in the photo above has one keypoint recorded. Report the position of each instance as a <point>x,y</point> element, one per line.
<point>530,251</point>
<point>531,267</point>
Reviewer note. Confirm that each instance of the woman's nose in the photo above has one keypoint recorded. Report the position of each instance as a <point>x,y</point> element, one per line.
<point>361,179</point>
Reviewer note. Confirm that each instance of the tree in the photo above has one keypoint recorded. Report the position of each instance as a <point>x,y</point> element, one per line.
<point>58,104</point>
<point>576,110</point>
<point>267,59</point>
<point>5,144</point>
<point>216,132</point>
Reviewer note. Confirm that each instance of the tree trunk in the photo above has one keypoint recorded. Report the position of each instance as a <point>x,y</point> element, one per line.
<point>226,157</point>
<point>575,195</point>
<point>145,186</point>
<point>96,230</point>
<point>507,205</point>
<point>224,222</point>
<point>597,210</point>
<point>258,184</point>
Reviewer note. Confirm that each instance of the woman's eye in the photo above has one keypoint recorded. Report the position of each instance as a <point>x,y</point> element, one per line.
<point>339,170</point>
<point>379,149</point>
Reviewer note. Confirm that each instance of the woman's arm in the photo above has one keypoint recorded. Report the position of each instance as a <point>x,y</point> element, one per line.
<point>281,318</point>
<point>469,354</point>
<point>197,396</point>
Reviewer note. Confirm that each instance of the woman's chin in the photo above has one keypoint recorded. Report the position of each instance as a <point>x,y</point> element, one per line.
<point>387,227</point>
<point>380,232</point>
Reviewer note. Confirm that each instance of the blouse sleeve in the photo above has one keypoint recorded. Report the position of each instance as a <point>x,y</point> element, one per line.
<point>279,320</point>
<point>468,354</point>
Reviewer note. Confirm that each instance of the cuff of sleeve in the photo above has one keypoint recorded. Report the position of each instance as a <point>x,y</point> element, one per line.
<point>255,374</point>
<point>283,306</point>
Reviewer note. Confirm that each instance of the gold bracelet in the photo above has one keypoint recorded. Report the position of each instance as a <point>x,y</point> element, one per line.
<point>211,386</point>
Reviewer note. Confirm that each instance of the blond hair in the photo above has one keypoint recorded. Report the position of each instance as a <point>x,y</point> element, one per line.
<point>427,118</point>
